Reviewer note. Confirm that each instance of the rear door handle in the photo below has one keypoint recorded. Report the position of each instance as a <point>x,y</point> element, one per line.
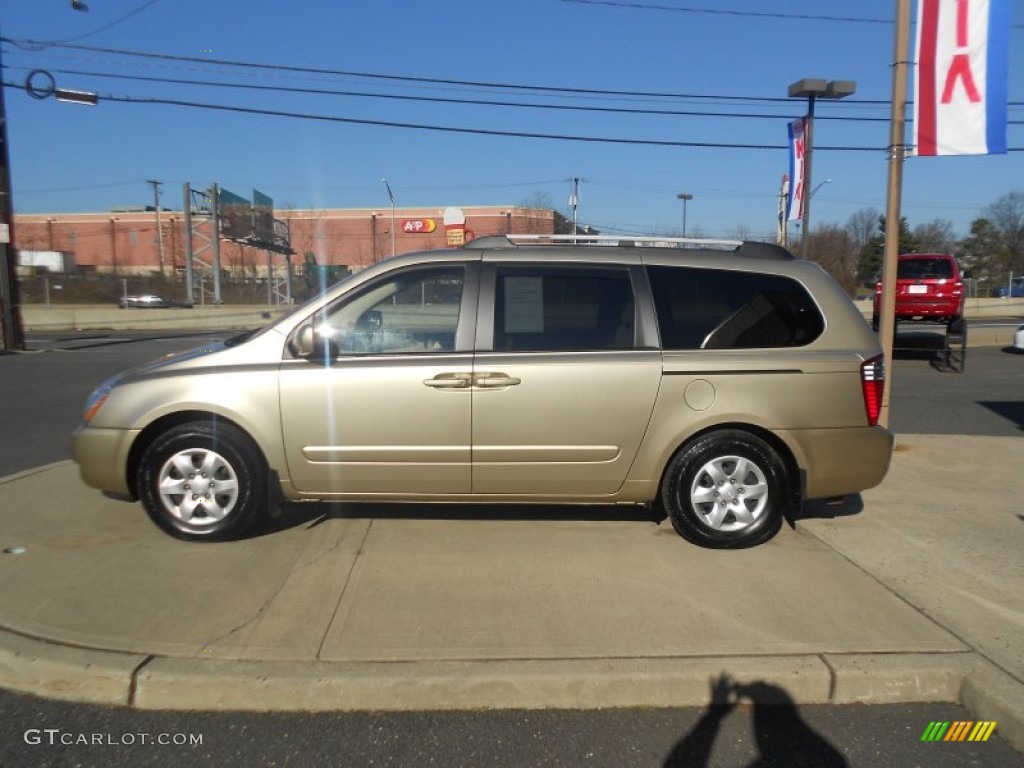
<point>494,380</point>
<point>450,381</point>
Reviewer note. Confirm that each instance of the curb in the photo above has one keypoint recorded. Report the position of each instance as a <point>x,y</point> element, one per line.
<point>145,682</point>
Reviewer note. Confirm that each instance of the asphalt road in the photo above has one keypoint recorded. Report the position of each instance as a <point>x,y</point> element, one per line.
<point>41,398</point>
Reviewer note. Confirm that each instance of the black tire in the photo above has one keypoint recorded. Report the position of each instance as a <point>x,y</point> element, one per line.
<point>221,504</point>
<point>743,481</point>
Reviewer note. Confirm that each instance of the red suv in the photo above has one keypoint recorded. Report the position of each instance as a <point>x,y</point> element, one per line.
<point>928,287</point>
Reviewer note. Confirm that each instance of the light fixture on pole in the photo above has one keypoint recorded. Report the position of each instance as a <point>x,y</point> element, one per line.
<point>817,187</point>
<point>391,196</point>
<point>685,197</point>
<point>813,89</point>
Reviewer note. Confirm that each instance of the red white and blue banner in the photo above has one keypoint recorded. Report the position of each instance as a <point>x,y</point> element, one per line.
<point>960,92</point>
<point>797,145</point>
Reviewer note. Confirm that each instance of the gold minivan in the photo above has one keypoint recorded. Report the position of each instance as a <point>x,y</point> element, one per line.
<point>725,383</point>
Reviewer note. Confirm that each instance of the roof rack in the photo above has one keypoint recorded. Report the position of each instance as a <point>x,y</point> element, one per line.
<point>749,248</point>
<point>623,240</point>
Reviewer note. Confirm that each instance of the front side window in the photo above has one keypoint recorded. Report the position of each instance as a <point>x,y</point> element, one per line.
<point>415,311</point>
<point>546,309</point>
<point>723,309</point>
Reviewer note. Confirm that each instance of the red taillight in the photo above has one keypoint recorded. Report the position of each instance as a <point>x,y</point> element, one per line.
<point>872,381</point>
<point>958,288</point>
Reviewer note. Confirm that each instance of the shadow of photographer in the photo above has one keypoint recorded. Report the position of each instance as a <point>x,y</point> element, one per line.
<point>783,737</point>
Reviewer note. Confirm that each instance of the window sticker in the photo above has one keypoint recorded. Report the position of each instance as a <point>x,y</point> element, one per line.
<point>524,304</point>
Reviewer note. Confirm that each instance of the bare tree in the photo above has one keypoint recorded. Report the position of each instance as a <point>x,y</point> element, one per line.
<point>936,236</point>
<point>862,226</point>
<point>533,223</point>
<point>834,249</point>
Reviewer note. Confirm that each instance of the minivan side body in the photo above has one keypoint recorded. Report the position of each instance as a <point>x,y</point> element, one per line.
<point>725,387</point>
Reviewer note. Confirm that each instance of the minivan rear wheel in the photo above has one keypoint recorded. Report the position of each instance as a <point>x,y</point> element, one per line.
<point>727,489</point>
<point>203,481</point>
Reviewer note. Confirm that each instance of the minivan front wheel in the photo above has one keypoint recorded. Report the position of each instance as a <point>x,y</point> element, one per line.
<point>203,481</point>
<point>727,489</point>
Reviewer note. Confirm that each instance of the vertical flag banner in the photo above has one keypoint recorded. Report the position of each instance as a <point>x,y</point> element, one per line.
<point>960,92</point>
<point>797,145</point>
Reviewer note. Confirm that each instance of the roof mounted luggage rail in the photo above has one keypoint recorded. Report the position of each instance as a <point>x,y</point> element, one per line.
<point>749,248</point>
<point>623,240</point>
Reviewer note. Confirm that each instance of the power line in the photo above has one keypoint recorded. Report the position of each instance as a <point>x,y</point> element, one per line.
<point>724,12</point>
<point>751,14</point>
<point>465,130</point>
<point>449,100</point>
<point>27,45</point>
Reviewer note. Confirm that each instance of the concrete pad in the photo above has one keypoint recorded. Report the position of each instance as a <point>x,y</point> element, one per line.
<point>97,573</point>
<point>528,684</point>
<point>512,589</point>
<point>945,532</point>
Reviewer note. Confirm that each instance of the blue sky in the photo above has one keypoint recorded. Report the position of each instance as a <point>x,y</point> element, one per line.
<point>68,158</point>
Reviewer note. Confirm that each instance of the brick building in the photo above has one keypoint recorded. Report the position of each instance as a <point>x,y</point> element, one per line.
<point>126,243</point>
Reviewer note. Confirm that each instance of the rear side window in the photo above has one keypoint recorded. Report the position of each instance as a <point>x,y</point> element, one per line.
<point>547,309</point>
<point>723,309</point>
<point>923,269</point>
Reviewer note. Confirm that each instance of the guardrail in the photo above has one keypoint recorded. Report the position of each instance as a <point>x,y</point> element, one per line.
<point>95,317</point>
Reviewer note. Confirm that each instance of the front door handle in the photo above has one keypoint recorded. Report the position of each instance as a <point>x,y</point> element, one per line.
<point>494,380</point>
<point>450,381</point>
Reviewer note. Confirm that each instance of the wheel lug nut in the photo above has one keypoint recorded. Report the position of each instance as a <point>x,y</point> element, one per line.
<point>194,497</point>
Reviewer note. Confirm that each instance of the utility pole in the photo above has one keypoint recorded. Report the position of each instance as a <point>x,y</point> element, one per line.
<point>10,302</point>
<point>159,230</point>
<point>897,148</point>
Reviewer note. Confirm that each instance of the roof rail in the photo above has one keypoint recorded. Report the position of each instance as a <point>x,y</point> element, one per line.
<point>749,248</point>
<point>624,240</point>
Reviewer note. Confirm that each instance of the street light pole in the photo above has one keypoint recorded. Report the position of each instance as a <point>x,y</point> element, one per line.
<point>814,89</point>
<point>685,197</point>
<point>10,303</point>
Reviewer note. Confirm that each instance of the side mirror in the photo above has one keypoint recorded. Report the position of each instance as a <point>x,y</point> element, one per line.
<point>311,344</point>
<point>304,342</point>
